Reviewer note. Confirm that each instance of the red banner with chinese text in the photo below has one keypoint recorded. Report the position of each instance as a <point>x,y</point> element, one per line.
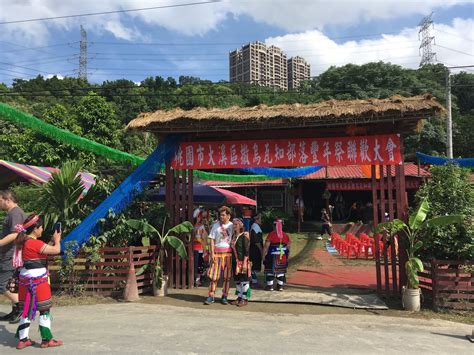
<point>359,150</point>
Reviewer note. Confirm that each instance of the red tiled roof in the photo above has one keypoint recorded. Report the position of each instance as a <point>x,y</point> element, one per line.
<point>355,172</point>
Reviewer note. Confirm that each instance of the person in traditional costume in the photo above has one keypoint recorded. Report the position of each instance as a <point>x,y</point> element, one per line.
<point>199,245</point>
<point>256,248</point>
<point>240,262</point>
<point>34,292</point>
<point>276,252</point>
<point>220,255</point>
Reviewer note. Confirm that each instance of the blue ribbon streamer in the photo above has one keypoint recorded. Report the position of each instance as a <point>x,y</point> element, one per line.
<point>124,194</point>
<point>283,173</point>
<point>429,159</point>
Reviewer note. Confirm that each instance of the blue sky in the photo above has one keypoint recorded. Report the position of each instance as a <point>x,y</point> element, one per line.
<point>196,40</point>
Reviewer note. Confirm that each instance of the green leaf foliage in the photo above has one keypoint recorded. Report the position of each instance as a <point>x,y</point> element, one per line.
<point>182,228</point>
<point>142,226</point>
<point>178,245</point>
<point>417,218</point>
<point>449,192</point>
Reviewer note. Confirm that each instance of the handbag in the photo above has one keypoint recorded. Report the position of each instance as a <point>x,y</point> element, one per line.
<point>12,284</point>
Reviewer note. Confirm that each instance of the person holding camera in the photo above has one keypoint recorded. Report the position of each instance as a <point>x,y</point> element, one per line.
<point>31,254</point>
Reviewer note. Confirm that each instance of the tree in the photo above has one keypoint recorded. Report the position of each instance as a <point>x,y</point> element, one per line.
<point>417,223</point>
<point>463,135</point>
<point>98,120</point>
<point>63,197</point>
<point>463,90</point>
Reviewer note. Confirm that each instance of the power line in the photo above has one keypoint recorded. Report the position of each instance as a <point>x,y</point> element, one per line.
<point>454,34</point>
<point>455,50</point>
<point>19,66</point>
<point>108,89</point>
<point>24,48</point>
<point>129,43</point>
<point>45,60</point>
<point>112,12</point>
<point>155,55</point>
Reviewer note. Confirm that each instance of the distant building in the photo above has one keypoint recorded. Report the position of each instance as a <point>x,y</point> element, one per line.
<point>255,63</point>
<point>298,71</point>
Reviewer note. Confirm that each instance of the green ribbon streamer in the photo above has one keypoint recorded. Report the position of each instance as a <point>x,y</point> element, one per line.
<point>17,117</point>
<point>60,135</point>
<point>203,175</point>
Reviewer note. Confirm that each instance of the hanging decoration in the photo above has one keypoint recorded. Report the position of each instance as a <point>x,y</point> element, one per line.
<point>429,159</point>
<point>60,135</point>
<point>124,194</point>
<point>204,175</point>
<point>17,117</point>
<point>283,173</point>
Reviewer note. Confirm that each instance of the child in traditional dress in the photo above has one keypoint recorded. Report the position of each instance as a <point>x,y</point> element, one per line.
<point>256,248</point>
<point>240,262</point>
<point>276,252</point>
<point>31,255</point>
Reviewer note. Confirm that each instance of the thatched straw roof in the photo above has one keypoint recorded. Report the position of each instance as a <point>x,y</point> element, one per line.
<point>323,114</point>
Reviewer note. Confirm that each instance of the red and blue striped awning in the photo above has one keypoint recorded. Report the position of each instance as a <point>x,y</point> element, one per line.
<point>38,174</point>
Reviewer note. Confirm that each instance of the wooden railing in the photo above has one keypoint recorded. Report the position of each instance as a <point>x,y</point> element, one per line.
<point>108,276</point>
<point>450,284</point>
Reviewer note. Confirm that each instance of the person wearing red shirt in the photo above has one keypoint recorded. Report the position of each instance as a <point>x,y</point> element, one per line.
<point>34,291</point>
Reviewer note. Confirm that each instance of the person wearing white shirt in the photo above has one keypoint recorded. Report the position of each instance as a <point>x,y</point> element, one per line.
<point>220,255</point>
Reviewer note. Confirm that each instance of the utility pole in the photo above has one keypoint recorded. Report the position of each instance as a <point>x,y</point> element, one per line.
<point>83,55</point>
<point>427,55</point>
<point>449,120</point>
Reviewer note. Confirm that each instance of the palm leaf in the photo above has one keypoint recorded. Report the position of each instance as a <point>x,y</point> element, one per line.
<point>392,227</point>
<point>142,226</point>
<point>443,221</point>
<point>182,228</point>
<point>177,244</point>
<point>418,217</point>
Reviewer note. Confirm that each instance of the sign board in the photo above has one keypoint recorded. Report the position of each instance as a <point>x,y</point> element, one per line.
<point>358,150</point>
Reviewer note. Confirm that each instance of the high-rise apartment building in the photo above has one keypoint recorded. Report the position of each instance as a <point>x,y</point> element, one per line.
<point>298,71</point>
<point>255,63</point>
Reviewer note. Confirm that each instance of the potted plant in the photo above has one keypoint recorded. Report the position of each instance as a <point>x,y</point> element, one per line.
<point>160,281</point>
<point>416,223</point>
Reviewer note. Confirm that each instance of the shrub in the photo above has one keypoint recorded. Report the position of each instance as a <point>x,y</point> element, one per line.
<point>448,192</point>
<point>269,216</point>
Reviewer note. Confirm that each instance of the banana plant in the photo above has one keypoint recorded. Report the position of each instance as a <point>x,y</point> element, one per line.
<point>416,223</point>
<point>163,238</point>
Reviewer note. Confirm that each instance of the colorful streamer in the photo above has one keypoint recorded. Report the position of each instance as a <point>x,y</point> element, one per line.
<point>60,135</point>
<point>204,175</point>
<point>283,173</point>
<point>20,118</point>
<point>124,194</point>
<point>429,159</point>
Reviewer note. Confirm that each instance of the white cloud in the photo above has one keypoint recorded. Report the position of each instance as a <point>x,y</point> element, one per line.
<point>322,52</point>
<point>302,15</point>
<point>296,15</point>
<point>59,76</point>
